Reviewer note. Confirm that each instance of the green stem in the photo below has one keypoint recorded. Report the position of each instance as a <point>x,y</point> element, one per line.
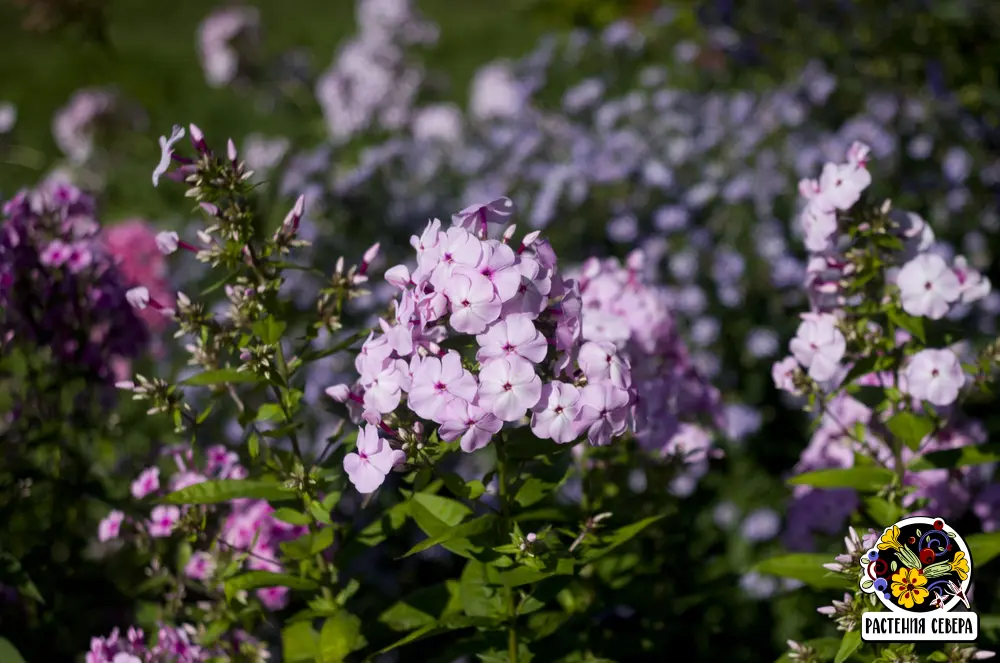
<point>502,491</point>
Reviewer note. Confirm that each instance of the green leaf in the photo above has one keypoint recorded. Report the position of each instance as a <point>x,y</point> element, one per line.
<point>883,511</point>
<point>523,575</point>
<point>825,648</point>
<point>269,330</point>
<point>299,642</point>
<point>464,530</point>
<point>910,428</point>
<point>308,545</point>
<point>523,447</point>
<point>470,491</point>
<point>435,514</point>
<point>256,579</point>
<point>270,412</point>
<point>219,376</point>
<point>223,490</point>
<point>341,635</point>
<point>983,547</point>
<point>980,454</point>
<point>482,592</point>
<point>991,622</point>
<point>253,445</point>
<point>8,653</point>
<point>290,516</point>
<point>540,484</point>
<point>389,522</point>
<point>864,479</point>
<point>618,537</point>
<point>422,608</point>
<point>911,324</point>
<point>807,567</point>
<point>849,645</point>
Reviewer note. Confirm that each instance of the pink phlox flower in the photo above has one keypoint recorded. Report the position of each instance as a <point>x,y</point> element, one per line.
<point>201,566</point>
<point>508,387</point>
<point>474,425</point>
<point>600,362</point>
<point>555,416</point>
<point>819,346</point>
<point>476,218</point>
<point>148,482</point>
<point>928,287</point>
<point>374,459</point>
<point>163,519</point>
<point>110,526</point>
<point>474,303</point>
<point>935,376</point>
<point>436,383</point>
<point>973,286</point>
<point>514,335</point>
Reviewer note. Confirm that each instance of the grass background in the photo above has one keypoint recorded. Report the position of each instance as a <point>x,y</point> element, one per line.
<point>150,55</point>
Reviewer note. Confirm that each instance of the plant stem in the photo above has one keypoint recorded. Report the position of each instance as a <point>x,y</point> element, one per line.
<point>505,511</point>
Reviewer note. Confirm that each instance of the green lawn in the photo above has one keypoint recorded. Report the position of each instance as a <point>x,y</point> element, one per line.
<point>152,59</point>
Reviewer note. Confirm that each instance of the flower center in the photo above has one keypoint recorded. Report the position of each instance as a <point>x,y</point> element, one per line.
<point>507,386</point>
<point>440,386</point>
<point>508,348</point>
<point>928,286</point>
<point>559,409</point>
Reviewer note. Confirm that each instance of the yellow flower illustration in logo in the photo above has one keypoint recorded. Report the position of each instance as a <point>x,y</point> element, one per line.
<point>890,539</point>
<point>960,565</point>
<point>908,587</point>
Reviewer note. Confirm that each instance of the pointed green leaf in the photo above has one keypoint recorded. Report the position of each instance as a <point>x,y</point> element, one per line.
<point>464,530</point>
<point>910,428</point>
<point>864,479</point>
<point>224,490</point>
<point>308,545</point>
<point>341,635</point>
<point>610,541</point>
<point>299,642</point>
<point>807,567</point>
<point>983,547</point>
<point>849,645</point>
<point>8,653</point>
<point>908,322</point>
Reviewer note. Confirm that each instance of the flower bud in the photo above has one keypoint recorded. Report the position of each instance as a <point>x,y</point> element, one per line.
<point>166,242</point>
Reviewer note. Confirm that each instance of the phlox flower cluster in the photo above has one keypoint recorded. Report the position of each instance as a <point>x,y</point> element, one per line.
<point>927,287</point>
<point>371,84</point>
<point>247,526</point>
<point>623,310</point>
<point>170,644</point>
<point>60,286</point>
<point>530,365</point>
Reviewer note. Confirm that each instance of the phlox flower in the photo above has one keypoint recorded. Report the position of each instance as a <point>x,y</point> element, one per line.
<point>603,412</point>
<point>927,287</point>
<point>201,566</point>
<point>163,519</point>
<point>508,388</point>
<point>474,425</point>
<point>935,376</point>
<point>437,384</point>
<point>600,362</point>
<point>374,459</point>
<point>110,526</point>
<point>819,346</point>
<point>512,336</point>
<point>147,482</point>
<point>783,374</point>
<point>474,303</point>
<point>555,416</point>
